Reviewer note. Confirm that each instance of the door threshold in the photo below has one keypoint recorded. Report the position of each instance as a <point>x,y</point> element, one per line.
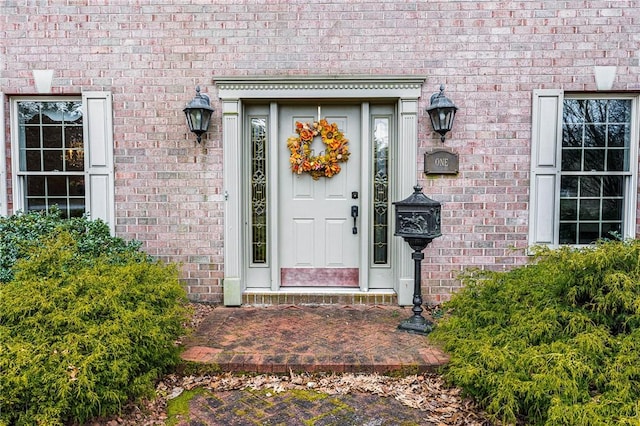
<point>319,296</point>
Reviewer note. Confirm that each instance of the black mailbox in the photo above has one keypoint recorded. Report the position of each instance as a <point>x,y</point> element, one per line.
<point>418,222</point>
<point>418,217</point>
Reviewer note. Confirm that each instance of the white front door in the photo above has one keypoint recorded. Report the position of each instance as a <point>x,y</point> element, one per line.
<point>319,240</point>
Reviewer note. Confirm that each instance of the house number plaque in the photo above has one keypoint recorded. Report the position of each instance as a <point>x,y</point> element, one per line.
<point>441,161</point>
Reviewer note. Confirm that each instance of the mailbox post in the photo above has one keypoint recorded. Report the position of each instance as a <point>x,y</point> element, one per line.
<point>418,223</point>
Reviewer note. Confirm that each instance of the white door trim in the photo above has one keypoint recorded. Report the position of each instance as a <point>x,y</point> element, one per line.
<point>406,90</point>
<point>365,173</point>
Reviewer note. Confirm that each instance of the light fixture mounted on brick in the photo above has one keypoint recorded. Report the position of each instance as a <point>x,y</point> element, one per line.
<point>198,114</point>
<point>442,112</point>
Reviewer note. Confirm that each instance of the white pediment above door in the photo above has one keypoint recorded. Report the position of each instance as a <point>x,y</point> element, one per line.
<point>338,87</point>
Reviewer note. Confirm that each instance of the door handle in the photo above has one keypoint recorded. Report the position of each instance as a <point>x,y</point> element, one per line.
<point>354,215</point>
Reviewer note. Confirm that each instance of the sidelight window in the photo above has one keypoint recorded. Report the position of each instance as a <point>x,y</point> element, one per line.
<point>381,190</point>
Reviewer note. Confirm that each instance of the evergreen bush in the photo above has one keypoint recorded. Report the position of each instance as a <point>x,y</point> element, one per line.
<point>21,232</point>
<point>82,330</point>
<point>556,342</point>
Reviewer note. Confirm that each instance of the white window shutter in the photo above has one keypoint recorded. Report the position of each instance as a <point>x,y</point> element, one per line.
<point>98,136</point>
<point>546,149</point>
<point>3,161</point>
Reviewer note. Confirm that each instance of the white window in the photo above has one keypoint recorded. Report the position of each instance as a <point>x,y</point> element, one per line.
<point>583,167</point>
<point>62,152</point>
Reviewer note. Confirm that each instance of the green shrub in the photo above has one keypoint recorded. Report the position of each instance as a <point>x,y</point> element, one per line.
<point>81,338</point>
<point>556,342</point>
<point>20,233</point>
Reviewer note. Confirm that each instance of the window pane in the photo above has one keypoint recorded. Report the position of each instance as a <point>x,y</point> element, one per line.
<point>595,135</point>
<point>589,209</point>
<point>596,110</point>
<point>611,230</point>
<point>76,186</point>
<point>616,160</point>
<point>34,161</point>
<point>52,160</point>
<point>573,111</point>
<point>572,135</point>
<point>74,149</point>
<point>29,113</point>
<point>61,203</point>
<point>619,111</point>
<point>569,186</point>
<point>35,186</point>
<point>612,209</point>
<point>37,204</point>
<point>571,160</point>
<point>57,186</point>
<point>612,186</point>
<point>258,190</point>
<point>618,135</point>
<point>568,209</point>
<point>74,160</point>
<point>32,137</point>
<point>594,160</point>
<point>76,207</point>
<point>590,186</point>
<point>568,233</point>
<point>52,137</point>
<point>381,190</point>
<point>589,233</point>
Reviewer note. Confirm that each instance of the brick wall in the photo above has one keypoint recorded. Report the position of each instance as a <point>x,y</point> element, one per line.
<point>152,53</point>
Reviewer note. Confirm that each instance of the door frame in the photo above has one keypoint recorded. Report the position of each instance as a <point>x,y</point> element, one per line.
<point>280,172</point>
<point>234,91</point>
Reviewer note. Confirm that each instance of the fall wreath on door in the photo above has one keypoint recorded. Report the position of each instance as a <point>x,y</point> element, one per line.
<point>326,163</point>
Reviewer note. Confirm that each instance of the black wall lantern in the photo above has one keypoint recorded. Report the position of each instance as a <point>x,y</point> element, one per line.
<point>418,222</point>
<point>442,112</point>
<point>198,114</point>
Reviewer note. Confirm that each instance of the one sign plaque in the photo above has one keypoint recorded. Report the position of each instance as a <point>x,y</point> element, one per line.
<point>441,162</point>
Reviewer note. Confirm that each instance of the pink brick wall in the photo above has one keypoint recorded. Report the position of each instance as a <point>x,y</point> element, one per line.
<point>151,53</point>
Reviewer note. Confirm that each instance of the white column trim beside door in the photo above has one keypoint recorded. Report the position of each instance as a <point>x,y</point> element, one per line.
<point>232,174</point>
<point>274,195</point>
<point>406,179</point>
<point>365,194</point>
<point>406,90</point>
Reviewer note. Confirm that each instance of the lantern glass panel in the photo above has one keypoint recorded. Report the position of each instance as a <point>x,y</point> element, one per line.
<point>442,119</point>
<point>198,119</point>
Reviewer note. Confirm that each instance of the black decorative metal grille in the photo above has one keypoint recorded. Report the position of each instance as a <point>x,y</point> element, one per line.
<point>259,191</point>
<point>381,191</point>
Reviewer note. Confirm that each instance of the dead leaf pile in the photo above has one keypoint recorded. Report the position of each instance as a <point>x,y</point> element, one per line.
<point>442,405</point>
<point>199,311</point>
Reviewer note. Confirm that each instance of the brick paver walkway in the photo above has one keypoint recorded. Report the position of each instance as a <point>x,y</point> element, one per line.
<point>303,408</point>
<point>333,338</point>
